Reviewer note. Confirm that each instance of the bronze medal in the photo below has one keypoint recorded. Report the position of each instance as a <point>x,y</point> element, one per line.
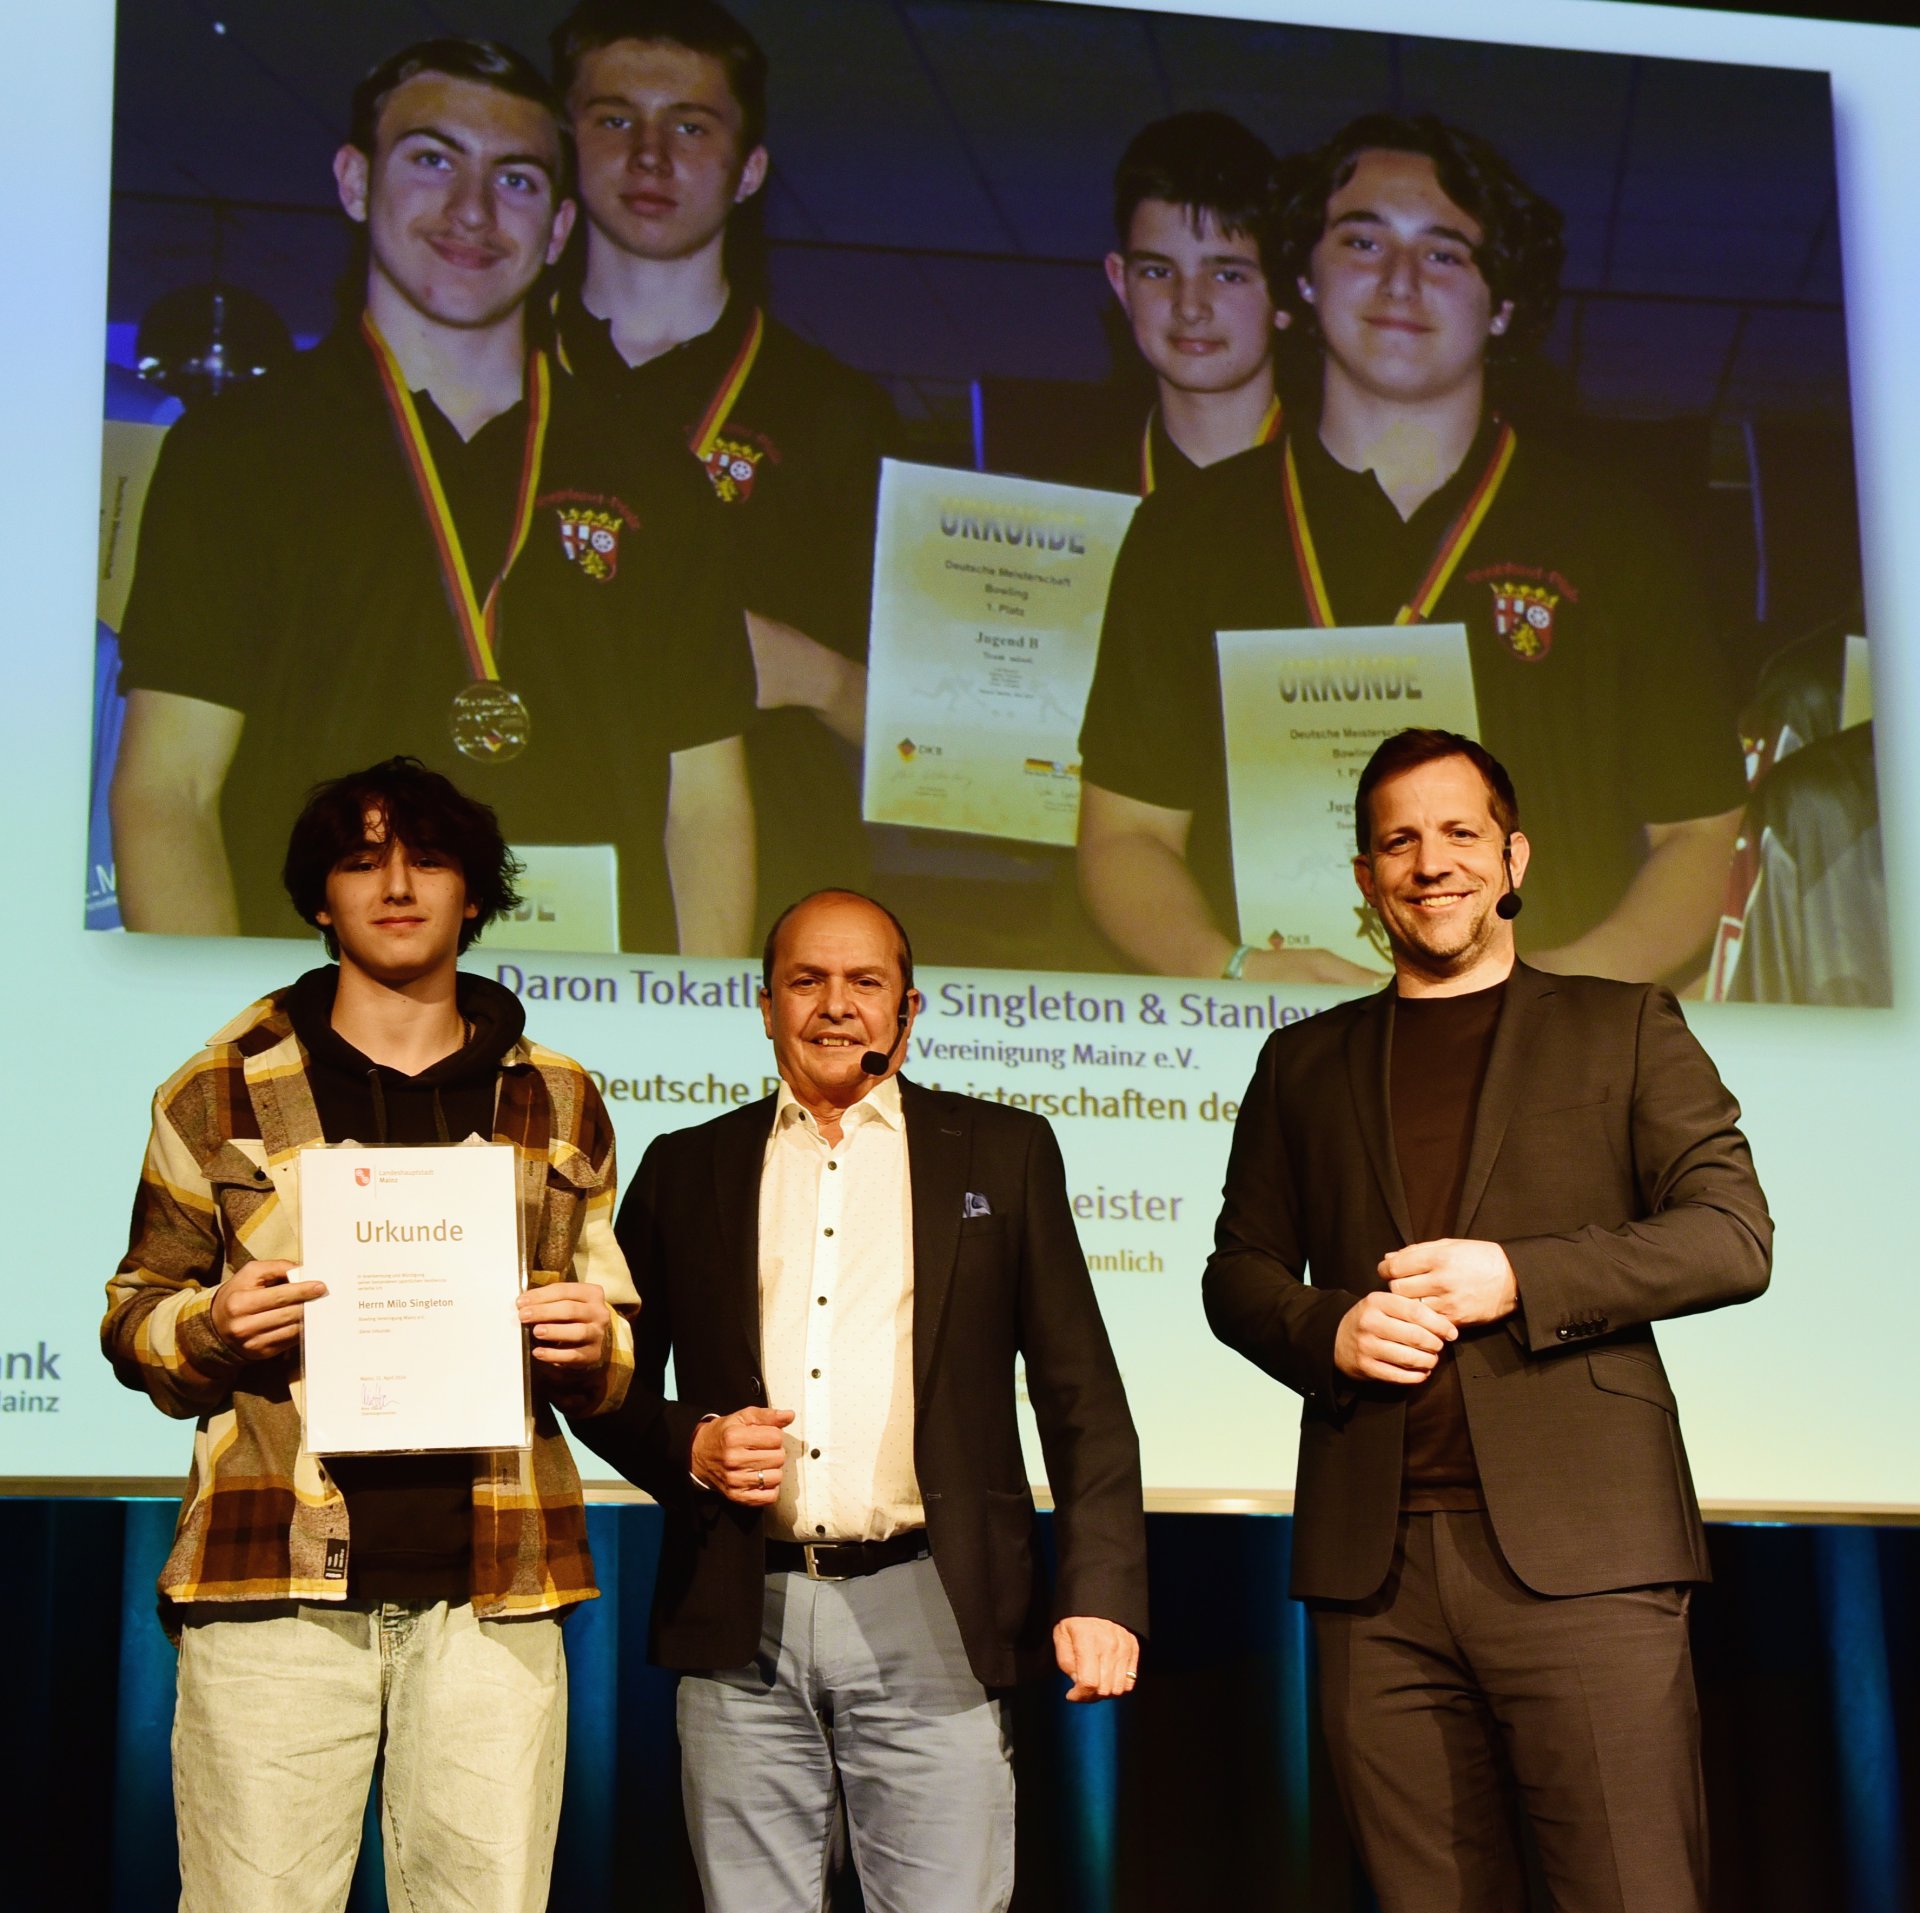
<point>489,722</point>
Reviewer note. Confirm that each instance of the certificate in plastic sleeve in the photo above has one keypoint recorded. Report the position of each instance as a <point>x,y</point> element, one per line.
<point>987,598</point>
<point>1303,712</point>
<point>417,1343</point>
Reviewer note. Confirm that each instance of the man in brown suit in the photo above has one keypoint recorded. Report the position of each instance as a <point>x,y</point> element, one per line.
<point>1499,1179</point>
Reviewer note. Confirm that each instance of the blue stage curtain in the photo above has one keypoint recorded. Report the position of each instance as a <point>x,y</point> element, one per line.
<point>1208,1789</point>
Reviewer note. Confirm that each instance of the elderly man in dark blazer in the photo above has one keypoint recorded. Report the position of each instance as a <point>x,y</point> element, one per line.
<point>847,1275</point>
<point>1497,1180</point>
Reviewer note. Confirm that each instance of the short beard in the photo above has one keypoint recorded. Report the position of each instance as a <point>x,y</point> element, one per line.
<point>1477,942</point>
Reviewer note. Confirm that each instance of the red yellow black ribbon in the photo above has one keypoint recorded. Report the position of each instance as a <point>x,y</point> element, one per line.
<point>1269,431</point>
<point>1447,554</point>
<point>705,435</point>
<point>713,420</point>
<point>475,619</point>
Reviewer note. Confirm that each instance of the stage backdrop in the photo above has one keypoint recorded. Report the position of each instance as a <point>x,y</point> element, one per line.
<point>1742,232</point>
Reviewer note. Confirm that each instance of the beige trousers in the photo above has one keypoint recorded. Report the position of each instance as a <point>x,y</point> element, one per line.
<point>282,1712</point>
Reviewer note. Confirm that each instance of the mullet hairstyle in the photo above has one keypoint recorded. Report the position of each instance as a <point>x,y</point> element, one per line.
<point>700,26</point>
<point>485,62</point>
<point>1204,162</point>
<point>904,953</point>
<point>1521,249</point>
<point>1408,750</point>
<point>417,807</point>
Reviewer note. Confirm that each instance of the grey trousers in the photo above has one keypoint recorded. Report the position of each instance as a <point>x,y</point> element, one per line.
<point>1456,1701</point>
<point>862,1689</point>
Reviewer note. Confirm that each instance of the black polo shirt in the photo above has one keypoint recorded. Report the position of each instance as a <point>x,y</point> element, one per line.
<point>1594,667</point>
<point>1171,466</point>
<point>287,571</point>
<point>800,481</point>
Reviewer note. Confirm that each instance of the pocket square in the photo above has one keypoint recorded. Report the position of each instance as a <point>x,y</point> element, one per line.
<point>972,1205</point>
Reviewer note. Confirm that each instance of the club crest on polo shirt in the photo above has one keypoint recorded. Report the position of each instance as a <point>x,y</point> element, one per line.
<point>590,527</point>
<point>591,539</point>
<point>732,467</point>
<point>1523,616</point>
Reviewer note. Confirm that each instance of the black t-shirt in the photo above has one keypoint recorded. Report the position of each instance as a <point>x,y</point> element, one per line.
<point>287,571</point>
<point>1596,677</point>
<point>1439,1060</point>
<point>798,469</point>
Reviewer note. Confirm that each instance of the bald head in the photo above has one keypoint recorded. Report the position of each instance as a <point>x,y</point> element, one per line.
<point>837,986</point>
<point>770,953</point>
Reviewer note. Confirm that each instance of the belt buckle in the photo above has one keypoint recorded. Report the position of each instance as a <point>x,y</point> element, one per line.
<point>810,1549</point>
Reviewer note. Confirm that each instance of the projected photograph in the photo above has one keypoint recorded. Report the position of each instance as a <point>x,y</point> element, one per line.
<point>1010,457</point>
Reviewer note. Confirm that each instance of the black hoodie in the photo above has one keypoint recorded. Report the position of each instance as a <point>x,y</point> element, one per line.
<point>409,1517</point>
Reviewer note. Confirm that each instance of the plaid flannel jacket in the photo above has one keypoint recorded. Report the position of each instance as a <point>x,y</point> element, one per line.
<point>260,1520</point>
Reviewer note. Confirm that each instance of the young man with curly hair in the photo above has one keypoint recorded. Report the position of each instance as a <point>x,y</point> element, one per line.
<point>391,1611</point>
<point>1421,260</point>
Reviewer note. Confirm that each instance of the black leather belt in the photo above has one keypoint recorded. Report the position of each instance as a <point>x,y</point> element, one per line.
<point>845,1560</point>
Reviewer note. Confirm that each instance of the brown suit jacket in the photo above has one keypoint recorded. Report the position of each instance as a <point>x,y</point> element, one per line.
<point>1606,1161</point>
<point>1005,1284</point>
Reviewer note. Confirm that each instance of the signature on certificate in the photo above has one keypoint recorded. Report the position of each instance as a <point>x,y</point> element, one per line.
<point>373,1396</point>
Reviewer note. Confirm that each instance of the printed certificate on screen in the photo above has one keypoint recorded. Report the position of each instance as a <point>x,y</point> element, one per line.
<point>1303,712</point>
<point>987,599</point>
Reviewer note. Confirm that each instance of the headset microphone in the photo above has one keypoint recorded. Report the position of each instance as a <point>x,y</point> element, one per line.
<point>1512,903</point>
<point>877,1062</point>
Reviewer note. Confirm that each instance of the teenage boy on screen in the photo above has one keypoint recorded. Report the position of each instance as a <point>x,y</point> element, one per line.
<point>1420,256</point>
<point>420,538</point>
<point>1194,200</point>
<point>668,103</point>
<point>393,1610</point>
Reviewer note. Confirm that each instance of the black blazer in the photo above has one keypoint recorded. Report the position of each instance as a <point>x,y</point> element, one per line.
<point>1606,1161</point>
<point>988,1290</point>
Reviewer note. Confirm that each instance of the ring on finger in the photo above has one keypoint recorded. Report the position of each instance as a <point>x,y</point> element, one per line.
<point>759,1480</point>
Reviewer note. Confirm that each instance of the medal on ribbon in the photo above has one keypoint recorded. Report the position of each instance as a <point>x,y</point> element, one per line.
<point>488,722</point>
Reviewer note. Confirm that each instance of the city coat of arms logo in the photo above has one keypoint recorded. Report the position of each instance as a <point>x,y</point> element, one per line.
<point>733,467</point>
<point>1523,616</point>
<point>591,539</point>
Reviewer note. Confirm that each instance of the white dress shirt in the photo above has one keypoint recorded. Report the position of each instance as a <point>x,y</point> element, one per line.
<point>836,1320</point>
